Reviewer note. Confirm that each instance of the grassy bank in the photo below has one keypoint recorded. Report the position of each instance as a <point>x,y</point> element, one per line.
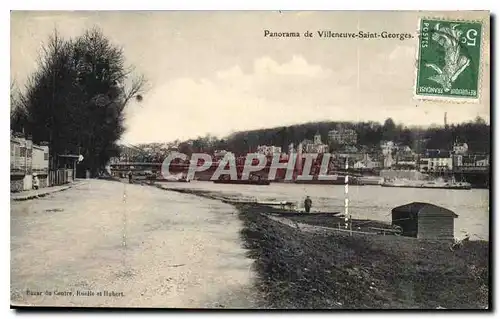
<point>299,269</point>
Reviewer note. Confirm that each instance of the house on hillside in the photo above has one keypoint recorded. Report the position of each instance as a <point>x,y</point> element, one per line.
<point>436,160</point>
<point>316,146</point>
<point>268,150</point>
<point>343,136</point>
<point>460,148</point>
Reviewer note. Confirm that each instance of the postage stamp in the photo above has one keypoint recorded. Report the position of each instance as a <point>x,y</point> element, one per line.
<point>449,60</point>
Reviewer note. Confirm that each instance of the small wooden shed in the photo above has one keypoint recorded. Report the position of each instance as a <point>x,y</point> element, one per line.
<point>424,221</point>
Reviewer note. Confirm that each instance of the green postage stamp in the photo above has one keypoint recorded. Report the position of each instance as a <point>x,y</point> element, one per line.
<point>449,60</point>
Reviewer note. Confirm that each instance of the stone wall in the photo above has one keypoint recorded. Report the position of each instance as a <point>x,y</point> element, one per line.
<point>44,181</point>
<point>23,183</point>
<point>16,185</point>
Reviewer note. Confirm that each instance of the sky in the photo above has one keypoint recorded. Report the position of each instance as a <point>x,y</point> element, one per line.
<point>216,73</point>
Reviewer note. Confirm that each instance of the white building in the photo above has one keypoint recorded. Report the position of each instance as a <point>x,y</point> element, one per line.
<point>315,146</point>
<point>436,163</point>
<point>460,148</point>
<point>268,150</point>
<point>387,147</point>
<point>406,158</point>
<point>388,160</point>
<point>457,160</point>
<point>343,136</point>
<point>437,160</point>
<point>483,162</point>
<point>367,162</point>
<point>408,163</point>
<point>27,160</point>
<point>359,165</point>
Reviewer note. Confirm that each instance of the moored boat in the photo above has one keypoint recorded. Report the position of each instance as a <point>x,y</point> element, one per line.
<point>435,184</point>
<point>447,185</point>
<point>333,180</point>
<point>182,178</point>
<point>253,179</point>
<point>242,182</point>
<point>370,180</point>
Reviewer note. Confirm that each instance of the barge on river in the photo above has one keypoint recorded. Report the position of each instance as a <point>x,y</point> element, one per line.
<point>333,180</point>
<point>436,184</point>
<point>254,179</point>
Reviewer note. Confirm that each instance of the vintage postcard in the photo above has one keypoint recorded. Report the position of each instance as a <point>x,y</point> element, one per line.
<point>250,159</point>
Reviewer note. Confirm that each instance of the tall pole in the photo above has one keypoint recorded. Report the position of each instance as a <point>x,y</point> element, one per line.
<point>357,56</point>
<point>347,217</point>
<point>346,194</point>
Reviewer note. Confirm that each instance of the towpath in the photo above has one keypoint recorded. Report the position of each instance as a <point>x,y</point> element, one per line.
<point>137,246</point>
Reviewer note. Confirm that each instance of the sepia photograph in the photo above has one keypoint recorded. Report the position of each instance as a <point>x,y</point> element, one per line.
<point>325,160</point>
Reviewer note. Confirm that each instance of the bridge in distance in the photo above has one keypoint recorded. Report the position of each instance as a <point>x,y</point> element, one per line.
<point>478,176</point>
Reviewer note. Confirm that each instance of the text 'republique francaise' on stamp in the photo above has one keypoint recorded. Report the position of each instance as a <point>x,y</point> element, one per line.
<point>449,60</point>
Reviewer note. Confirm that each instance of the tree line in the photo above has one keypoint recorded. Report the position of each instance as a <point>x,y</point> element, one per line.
<point>475,133</point>
<point>76,97</point>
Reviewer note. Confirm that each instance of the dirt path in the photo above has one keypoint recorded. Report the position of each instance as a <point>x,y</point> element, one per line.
<point>151,247</point>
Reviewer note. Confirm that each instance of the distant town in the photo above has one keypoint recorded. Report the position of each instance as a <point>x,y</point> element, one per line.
<point>343,144</point>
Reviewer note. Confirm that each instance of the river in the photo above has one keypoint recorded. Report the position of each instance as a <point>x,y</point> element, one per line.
<point>371,202</point>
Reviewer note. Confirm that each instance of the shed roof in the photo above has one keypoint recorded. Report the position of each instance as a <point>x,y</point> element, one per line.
<point>424,209</point>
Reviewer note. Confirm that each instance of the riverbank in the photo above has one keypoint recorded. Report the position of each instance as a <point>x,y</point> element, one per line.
<point>366,202</point>
<point>320,270</point>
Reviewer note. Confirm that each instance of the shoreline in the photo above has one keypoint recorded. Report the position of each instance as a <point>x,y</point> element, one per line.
<point>300,269</point>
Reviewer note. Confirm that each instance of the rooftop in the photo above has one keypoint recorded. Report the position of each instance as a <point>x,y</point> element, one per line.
<point>424,209</point>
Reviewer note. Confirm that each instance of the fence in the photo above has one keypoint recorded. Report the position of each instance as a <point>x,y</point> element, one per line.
<point>60,176</point>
